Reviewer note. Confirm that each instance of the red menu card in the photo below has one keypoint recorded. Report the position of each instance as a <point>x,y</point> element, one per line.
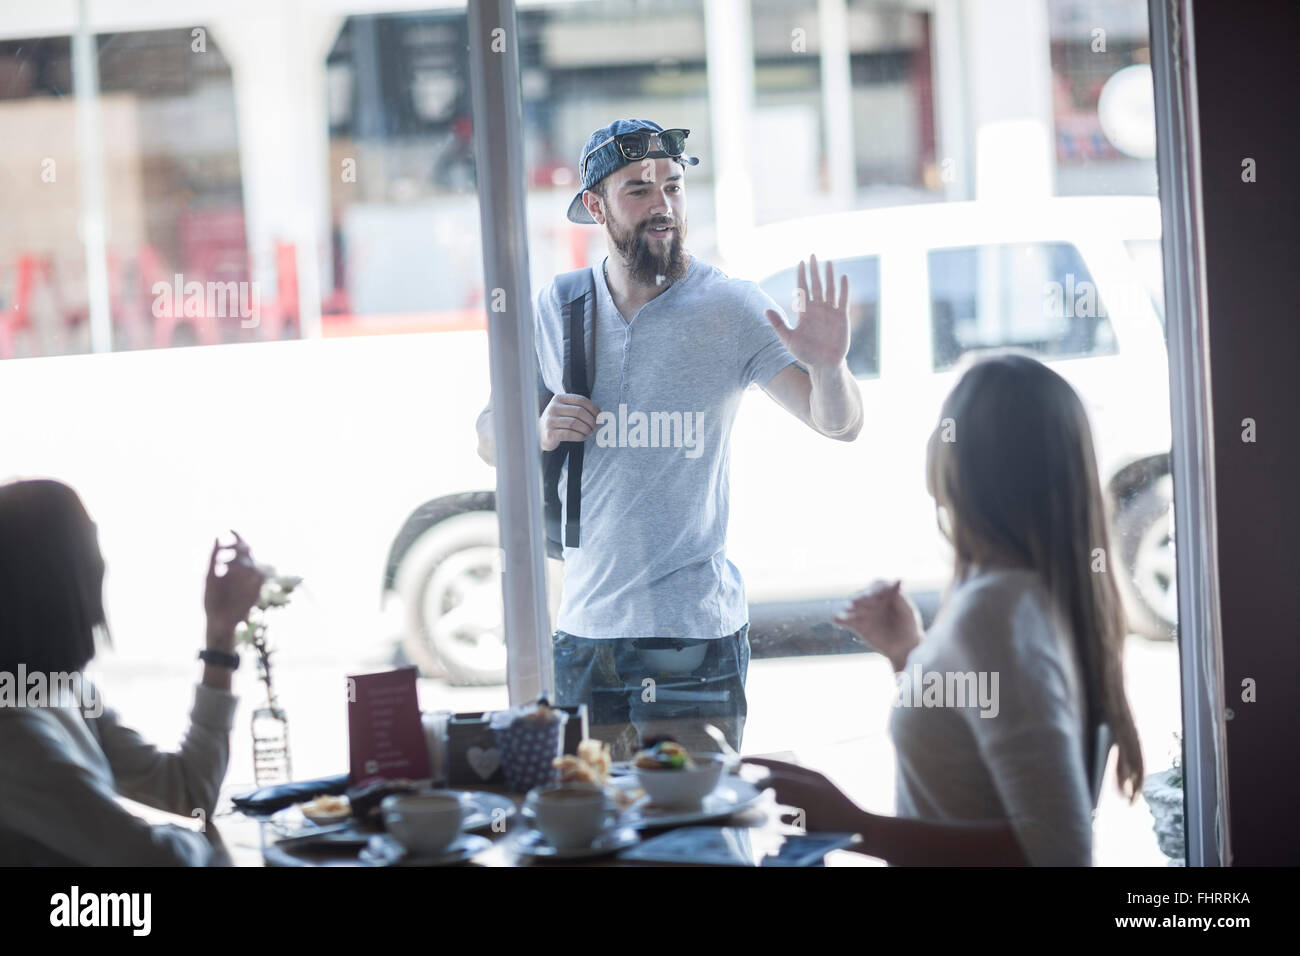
<point>385,737</point>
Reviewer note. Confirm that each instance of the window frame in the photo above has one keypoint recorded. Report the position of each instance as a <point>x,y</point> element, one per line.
<point>1205,781</point>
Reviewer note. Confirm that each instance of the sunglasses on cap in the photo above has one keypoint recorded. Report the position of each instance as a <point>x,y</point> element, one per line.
<point>643,142</point>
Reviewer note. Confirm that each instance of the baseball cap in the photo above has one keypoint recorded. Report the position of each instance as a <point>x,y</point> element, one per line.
<point>608,159</point>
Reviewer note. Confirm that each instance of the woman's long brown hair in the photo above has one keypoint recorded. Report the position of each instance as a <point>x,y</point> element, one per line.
<point>1012,464</point>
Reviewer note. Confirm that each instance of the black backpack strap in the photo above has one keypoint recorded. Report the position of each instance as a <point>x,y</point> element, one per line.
<point>576,366</point>
<point>578,293</point>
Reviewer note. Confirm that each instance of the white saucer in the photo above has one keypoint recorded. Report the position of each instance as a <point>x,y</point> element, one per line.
<point>383,850</point>
<point>531,843</point>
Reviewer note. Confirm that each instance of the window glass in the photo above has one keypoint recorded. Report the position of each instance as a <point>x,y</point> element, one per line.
<point>864,308</point>
<point>320,159</point>
<point>171,204</point>
<point>404,221</point>
<point>1147,254</point>
<point>294,195</point>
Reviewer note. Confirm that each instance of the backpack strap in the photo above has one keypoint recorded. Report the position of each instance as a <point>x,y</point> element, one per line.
<point>577,292</point>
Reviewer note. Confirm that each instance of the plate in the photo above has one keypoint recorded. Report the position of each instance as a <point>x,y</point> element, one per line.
<point>731,795</point>
<point>383,850</point>
<point>336,837</point>
<point>485,809</point>
<point>531,843</point>
<point>333,848</point>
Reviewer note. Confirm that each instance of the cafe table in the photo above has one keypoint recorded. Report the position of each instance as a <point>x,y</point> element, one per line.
<point>245,838</point>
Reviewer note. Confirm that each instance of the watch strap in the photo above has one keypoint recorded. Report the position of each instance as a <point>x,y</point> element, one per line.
<point>220,659</point>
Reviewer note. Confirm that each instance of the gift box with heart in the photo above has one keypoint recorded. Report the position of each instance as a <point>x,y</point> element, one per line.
<point>473,757</point>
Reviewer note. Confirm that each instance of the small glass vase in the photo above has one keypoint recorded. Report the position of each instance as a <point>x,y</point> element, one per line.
<point>271,764</point>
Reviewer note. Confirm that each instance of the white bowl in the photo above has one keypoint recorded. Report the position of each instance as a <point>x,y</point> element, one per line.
<point>424,823</point>
<point>686,788</point>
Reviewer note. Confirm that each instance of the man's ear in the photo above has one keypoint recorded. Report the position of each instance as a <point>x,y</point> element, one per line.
<point>591,200</point>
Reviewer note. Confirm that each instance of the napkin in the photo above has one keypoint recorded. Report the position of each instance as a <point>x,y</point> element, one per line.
<point>270,799</point>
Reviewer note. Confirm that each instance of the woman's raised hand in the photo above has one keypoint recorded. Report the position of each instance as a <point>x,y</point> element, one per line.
<point>885,619</point>
<point>228,597</point>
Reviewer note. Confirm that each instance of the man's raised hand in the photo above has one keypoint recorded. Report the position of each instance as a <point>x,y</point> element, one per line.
<point>821,337</point>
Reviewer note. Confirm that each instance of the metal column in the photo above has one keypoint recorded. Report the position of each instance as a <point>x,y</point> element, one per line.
<point>499,153</point>
<point>90,157</point>
<point>837,102</point>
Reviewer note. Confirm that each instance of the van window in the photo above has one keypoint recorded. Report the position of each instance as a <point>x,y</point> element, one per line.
<point>1037,296</point>
<point>864,307</point>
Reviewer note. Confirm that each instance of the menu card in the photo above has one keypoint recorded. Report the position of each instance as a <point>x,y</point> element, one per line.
<point>385,736</point>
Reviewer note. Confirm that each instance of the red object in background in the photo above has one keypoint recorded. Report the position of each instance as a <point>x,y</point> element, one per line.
<point>213,245</point>
<point>24,283</point>
<point>283,310</point>
<point>30,271</point>
<point>18,315</point>
<point>167,325</point>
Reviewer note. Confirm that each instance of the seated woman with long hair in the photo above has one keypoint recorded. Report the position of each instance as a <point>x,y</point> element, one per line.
<point>1032,600</point>
<point>64,758</point>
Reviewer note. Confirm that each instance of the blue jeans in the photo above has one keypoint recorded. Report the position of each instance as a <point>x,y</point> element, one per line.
<point>639,688</point>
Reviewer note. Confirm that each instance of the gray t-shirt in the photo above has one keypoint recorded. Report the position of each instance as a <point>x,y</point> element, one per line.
<point>1017,754</point>
<point>655,477</point>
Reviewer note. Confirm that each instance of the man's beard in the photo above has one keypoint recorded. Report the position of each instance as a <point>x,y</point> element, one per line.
<point>651,261</point>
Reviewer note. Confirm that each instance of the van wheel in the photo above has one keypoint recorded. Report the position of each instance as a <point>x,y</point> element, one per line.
<point>1144,532</point>
<point>450,583</point>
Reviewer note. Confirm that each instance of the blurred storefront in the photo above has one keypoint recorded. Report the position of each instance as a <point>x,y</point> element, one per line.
<point>323,152</point>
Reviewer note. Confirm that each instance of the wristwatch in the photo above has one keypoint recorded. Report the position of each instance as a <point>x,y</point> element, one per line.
<point>220,659</point>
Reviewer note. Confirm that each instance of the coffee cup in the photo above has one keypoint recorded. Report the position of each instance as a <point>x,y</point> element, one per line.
<point>570,815</point>
<point>424,823</point>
